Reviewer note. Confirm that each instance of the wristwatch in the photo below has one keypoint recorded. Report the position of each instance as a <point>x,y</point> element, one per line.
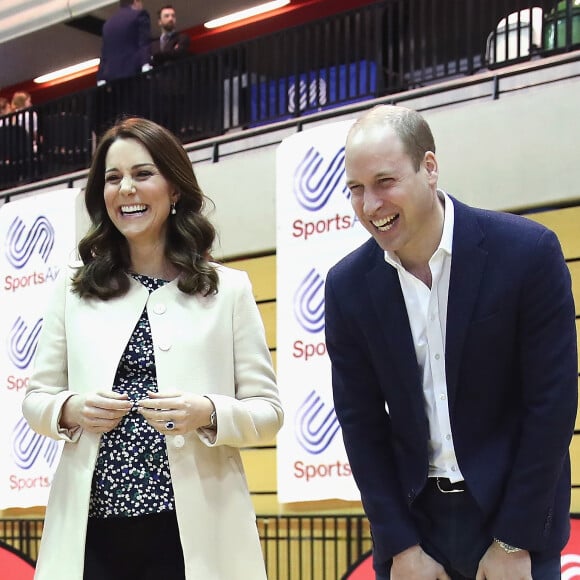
<point>212,418</point>
<point>506,547</point>
<point>213,422</point>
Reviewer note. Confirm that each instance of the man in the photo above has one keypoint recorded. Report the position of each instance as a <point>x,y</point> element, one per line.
<point>126,47</point>
<point>452,340</point>
<point>170,46</point>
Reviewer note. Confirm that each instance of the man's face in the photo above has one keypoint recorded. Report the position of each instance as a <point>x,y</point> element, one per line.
<point>393,201</point>
<point>167,19</point>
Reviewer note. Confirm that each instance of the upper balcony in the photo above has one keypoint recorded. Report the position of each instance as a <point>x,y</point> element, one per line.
<point>378,49</point>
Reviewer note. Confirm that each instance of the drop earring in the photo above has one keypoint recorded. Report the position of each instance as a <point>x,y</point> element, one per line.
<point>173,210</point>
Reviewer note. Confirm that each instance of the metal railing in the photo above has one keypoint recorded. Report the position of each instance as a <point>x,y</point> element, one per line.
<point>321,547</point>
<point>380,49</point>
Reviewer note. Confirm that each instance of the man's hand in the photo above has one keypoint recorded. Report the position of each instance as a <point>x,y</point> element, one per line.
<point>496,564</point>
<point>415,564</point>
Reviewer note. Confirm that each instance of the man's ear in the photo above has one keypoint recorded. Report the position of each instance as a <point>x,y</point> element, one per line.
<point>431,166</point>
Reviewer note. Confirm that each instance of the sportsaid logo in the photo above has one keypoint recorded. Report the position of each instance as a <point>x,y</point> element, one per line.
<point>22,243</point>
<point>22,342</point>
<point>27,448</point>
<point>315,180</point>
<point>316,426</point>
<point>309,312</point>
<point>21,346</point>
<point>309,302</point>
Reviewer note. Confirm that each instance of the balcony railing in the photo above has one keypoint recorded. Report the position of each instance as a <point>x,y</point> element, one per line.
<point>294,547</point>
<point>379,49</point>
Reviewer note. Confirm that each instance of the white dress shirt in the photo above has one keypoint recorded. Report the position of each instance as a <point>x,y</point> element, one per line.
<point>427,311</point>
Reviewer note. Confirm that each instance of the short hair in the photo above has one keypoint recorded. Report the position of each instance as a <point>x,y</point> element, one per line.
<point>409,125</point>
<point>104,251</point>
<point>166,7</point>
<point>19,99</point>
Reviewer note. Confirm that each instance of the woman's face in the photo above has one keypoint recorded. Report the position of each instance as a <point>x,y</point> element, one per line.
<point>137,197</point>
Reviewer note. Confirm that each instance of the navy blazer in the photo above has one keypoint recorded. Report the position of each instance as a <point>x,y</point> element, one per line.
<point>126,44</point>
<point>512,378</point>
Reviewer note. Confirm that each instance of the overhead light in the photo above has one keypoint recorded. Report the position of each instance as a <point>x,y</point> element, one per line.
<point>68,71</point>
<point>247,13</point>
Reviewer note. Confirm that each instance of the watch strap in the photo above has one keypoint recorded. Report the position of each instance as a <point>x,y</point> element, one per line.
<point>506,547</point>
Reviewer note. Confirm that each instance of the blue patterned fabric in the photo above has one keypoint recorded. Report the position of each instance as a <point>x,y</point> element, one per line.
<point>131,476</point>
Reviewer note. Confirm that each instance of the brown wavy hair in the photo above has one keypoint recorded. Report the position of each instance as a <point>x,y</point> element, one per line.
<point>104,250</point>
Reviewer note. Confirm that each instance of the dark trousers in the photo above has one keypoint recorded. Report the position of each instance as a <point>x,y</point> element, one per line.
<point>139,548</point>
<point>453,532</point>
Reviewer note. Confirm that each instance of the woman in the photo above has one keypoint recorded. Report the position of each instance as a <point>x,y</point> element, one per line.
<point>153,368</point>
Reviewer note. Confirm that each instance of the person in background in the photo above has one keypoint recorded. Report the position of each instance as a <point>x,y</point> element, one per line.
<point>27,142</point>
<point>170,45</point>
<point>451,334</point>
<point>5,109</point>
<point>126,44</point>
<point>153,368</point>
<point>5,106</point>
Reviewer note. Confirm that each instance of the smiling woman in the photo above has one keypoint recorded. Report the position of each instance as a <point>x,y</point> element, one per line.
<point>153,367</point>
<point>139,201</point>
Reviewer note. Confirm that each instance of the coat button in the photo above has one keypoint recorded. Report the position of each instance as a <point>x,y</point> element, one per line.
<point>165,346</point>
<point>159,308</point>
<point>179,441</point>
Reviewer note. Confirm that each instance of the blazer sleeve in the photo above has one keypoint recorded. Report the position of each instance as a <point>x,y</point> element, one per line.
<point>144,37</point>
<point>549,381</point>
<point>47,388</point>
<point>255,414</point>
<point>366,430</point>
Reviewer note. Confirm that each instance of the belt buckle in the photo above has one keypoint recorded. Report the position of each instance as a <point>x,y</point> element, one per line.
<point>438,482</point>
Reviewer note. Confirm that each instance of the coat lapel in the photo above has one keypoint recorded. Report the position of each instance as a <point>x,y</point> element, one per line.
<point>467,266</point>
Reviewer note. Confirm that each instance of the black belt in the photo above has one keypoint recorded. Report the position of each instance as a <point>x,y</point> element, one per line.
<point>444,485</point>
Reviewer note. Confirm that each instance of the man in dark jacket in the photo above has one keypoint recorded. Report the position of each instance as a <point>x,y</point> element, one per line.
<point>452,338</point>
<point>126,47</point>
<point>170,45</point>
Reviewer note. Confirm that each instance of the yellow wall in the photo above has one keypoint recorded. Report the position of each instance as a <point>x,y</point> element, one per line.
<point>566,223</point>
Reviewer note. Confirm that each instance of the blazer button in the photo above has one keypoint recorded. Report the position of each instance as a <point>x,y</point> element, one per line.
<point>164,346</point>
<point>159,308</point>
<point>179,441</point>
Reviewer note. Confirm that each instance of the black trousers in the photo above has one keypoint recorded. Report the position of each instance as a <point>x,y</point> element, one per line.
<point>453,532</point>
<point>139,548</point>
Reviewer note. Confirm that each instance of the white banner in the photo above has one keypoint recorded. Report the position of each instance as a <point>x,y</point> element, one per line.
<point>316,226</point>
<point>37,235</point>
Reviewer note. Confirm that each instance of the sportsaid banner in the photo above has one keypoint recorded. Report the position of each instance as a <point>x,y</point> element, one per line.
<point>316,226</point>
<point>37,236</point>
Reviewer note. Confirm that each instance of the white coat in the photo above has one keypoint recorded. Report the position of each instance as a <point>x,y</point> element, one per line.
<point>213,346</point>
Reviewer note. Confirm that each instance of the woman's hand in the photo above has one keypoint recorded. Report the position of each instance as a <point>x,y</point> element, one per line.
<point>98,412</point>
<point>186,411</point>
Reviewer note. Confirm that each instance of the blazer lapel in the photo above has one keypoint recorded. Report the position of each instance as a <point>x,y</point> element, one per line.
<point>467,266</point>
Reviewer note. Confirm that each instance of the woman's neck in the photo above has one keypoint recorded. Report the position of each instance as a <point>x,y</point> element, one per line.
<point>153,264</point>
